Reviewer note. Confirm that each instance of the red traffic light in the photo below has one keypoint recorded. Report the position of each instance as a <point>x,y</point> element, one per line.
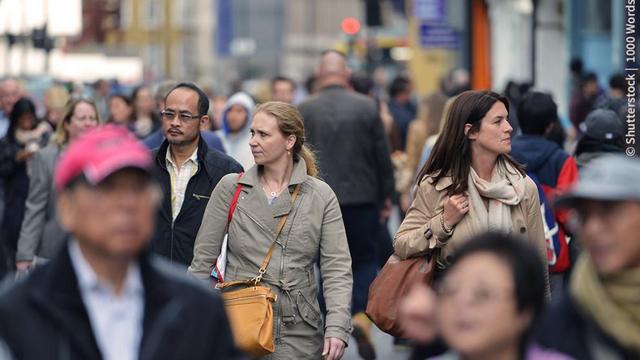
<point>350,25</point>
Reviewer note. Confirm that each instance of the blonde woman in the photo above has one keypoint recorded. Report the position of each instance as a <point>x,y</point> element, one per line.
<point>313,229</point>
<point>41,235</point>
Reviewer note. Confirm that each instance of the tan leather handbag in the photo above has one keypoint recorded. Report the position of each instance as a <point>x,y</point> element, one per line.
<point>250,308</point>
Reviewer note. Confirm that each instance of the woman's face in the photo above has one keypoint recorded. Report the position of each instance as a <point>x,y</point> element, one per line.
<point>268,145</point>
<point>26,121</point>
<point>144,101</point>
<point>495,131</point>
<point>477,306</point>
<point>120,111</point>
<point>84,118</point>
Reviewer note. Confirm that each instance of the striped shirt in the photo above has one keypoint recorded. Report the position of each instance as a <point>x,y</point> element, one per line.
<point>180,177</point>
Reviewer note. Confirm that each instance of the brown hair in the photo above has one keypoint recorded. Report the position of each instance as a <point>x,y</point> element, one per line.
<point>451,155</point>
<point>290,123</point>
<point>61,137</point>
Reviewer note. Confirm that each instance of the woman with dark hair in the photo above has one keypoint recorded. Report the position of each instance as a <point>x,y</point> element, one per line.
<point>41,235</point>
<point>25,136</point>
<point>146,118</point>
<point>488,302</point>
<point>470,184</point>
<point>120,110</point>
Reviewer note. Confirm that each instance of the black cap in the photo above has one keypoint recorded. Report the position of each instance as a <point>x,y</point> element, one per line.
<point>603,124</point>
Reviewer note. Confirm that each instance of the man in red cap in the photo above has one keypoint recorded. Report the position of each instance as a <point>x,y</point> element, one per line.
<point>104,296</point>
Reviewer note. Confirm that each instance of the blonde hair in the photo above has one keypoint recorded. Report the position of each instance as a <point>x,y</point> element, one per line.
<point>61,137</point>
<point>290,123</point>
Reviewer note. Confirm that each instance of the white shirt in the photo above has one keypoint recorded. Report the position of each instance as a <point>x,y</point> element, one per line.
<point>116,320</point>
<point>180,178</point>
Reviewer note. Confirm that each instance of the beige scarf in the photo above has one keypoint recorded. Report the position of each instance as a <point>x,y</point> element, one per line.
<point>505,189</point>
<point>612,301</point>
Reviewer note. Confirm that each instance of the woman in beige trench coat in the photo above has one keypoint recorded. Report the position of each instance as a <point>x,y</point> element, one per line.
<point>313,229</point>
<point>470,184</point>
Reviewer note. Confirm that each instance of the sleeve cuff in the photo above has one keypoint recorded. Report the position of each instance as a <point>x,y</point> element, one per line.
<point>338,333</point>
<point>439,233</point>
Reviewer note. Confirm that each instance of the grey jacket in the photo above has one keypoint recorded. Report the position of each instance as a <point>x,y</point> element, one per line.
<point>314,228</point>
<point>41,234</point>
<point>345,131</point>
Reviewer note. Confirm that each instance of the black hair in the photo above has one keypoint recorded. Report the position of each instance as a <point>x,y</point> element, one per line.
<point>22,106</point>
<point>399,85</point>
<point>285,79</point>
<point>589,77</point>
<point>525,265</point>
<point>536,111</point>
<point>617,82</point>
<point>361,83</point>
<point>203,99</point>
<point>576,65</point>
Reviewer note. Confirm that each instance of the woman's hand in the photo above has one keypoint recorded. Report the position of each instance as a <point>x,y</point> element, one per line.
<point>333,349</point>
<point>454,209</point>
<point>23,155</point>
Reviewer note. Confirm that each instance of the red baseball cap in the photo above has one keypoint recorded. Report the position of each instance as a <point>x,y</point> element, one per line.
<point>99,153</point>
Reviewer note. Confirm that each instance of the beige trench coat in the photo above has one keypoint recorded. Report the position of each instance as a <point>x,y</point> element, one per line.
<point>314,228</point>
<point>421,231</point>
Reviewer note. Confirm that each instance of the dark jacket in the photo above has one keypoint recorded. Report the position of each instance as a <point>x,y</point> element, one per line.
<point>566,328</point>
<point>44,317</point>
<point>555,171</point>
<point>345,130</point>
<point>16,185</point>
<point>174,240</point>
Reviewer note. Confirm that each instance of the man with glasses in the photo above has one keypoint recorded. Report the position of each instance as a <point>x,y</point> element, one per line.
<point>187,171</point>
<point>599,316</point>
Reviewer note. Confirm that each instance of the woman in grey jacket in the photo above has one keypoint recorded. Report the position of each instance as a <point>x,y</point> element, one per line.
<point>313,228</point>
<point>40,234</point>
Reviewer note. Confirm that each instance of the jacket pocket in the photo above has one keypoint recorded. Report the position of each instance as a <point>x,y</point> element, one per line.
<point>307,311</point>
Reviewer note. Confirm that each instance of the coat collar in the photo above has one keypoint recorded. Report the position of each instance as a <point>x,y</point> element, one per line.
<point>442,184</point>
<point>203,149</point>
<point>298,176</point>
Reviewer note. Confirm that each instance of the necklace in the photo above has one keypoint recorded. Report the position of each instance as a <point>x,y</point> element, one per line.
<point>272,193</point>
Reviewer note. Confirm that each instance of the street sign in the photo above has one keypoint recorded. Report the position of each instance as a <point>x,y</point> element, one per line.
<point>439,36</point>
<point>431,11</point>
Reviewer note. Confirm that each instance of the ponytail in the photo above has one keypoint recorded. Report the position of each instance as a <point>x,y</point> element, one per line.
<point>310,159</point>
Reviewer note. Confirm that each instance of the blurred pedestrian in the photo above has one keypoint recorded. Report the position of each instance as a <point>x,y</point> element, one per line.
<point>56,98</point>
<point>551,166</point>
<point>236,122</point>
<point>10,92</point>
<point>103,296</point>
<point>616,97</point>
<point>120,110</point>
<point>187,171</point>
<point>313,230</point>
<point>41,236</point>
<point>342,124</point>
<point>402,107</point>
<point>598,316</point>
<point>283,89</point>
<point>146,117</point>
<point>100,96</point>
<point>470,184</point>
<point>583,98</point>
<point>489,300</point>
<point>24,138</point>
<point>602,132</point>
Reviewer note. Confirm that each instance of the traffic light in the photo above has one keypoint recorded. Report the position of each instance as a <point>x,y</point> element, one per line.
<point>350,26</point>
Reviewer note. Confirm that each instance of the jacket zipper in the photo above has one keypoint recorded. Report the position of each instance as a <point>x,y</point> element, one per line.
<point>245,298</point>
<point>200,197</point>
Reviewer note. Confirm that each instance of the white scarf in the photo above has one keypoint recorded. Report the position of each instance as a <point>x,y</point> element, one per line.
<point>506,189</point>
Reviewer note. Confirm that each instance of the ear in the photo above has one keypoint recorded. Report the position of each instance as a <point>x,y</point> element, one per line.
<point>291,141</point>
<point>472,135</point>
<point>65,208</point>
<point>204,120</point>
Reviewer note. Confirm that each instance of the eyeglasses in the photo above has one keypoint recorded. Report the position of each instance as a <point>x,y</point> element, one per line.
<point>183,116</point>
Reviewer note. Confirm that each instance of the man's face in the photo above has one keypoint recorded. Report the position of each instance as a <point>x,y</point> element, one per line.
<point>9,95</point>
<point>610,232</point>
<point>113,219</point>
<point>282,91</point>
<point>181,129</point>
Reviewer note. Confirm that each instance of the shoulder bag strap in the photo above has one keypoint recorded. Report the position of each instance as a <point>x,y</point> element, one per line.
<point>265,263</point>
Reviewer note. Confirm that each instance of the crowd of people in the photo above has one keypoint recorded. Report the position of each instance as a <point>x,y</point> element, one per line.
<point>113,206</point>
